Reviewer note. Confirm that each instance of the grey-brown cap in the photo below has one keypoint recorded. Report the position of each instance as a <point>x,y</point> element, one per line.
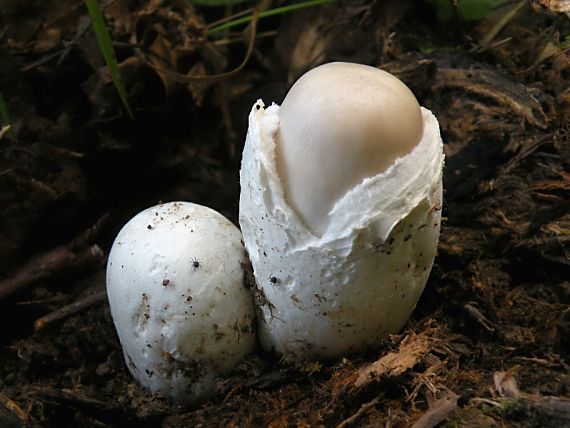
<point>339,124</point>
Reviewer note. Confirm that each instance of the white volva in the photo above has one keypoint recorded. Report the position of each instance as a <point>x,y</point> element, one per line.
<point>346,261</point>
<point>175,283</point>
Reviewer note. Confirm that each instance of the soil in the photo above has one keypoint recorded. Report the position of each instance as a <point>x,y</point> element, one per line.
<point>488,342</point>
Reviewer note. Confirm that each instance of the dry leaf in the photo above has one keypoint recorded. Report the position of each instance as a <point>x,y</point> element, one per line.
<point>553,6</point>
<point>505,384</point>
<point>198,88</point>
<point>163,56</point>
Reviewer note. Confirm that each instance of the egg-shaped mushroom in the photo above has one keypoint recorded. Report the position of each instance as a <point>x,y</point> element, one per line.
<point>175,283</point>
<point>341,191</point>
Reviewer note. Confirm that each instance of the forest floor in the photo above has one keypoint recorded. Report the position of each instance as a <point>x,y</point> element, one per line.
<point>488,342</point>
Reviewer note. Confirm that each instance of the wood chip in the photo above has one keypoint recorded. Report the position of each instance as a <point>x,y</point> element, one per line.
<point>412,348</point>
<point>556,407</point>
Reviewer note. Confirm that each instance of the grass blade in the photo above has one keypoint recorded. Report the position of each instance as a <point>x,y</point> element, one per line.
<point>214,3</point>
<point>266,13</point>
<point>106,47</point>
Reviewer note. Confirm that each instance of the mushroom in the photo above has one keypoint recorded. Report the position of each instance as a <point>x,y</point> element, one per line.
<point>340,204</point>
<point>175,283</point>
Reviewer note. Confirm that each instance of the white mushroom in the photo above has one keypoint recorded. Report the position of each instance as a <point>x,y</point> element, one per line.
<point>175,283</point>
<point>340,209</point>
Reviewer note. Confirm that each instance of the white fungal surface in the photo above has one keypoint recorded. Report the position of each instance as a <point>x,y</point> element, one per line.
<point>324,296</point>
<point>175,282</point>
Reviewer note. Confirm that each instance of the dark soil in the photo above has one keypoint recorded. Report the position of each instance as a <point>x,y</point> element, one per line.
<point>488,342</point>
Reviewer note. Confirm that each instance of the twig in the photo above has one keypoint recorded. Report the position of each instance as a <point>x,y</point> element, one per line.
<point>89,235</point>
<point>437,412</point>
<point>479,317</point>
<point>556,259</point>
<point>482,400</point>
<point>70,309</point>
<point>14,408</point>
<point>363,409</point>
<point>41,302</point>
<point>527,148</point>
<point>496,29</point>
<point>107,412</point>
<point>540,361</point>
<point>229,41</point>
<point>45,266</point>
<point>82,29</point>
<point>555,407</point>
<point>78,254</point>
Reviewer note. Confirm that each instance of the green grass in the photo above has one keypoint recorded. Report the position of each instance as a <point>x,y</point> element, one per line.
<point>266,13</point>
<point>104,41</point>
<point>507,406</point>
<point>216,2</point>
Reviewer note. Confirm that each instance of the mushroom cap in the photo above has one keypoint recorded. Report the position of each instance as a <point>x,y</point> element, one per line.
<point>339,124</point>
<point>175,283</point>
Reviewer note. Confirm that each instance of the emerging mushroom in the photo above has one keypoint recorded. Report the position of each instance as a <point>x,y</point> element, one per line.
<point>175,283</point>
<point>340,204</point>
